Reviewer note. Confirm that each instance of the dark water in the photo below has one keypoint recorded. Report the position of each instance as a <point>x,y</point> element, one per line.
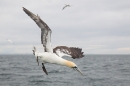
<point>99,70</point>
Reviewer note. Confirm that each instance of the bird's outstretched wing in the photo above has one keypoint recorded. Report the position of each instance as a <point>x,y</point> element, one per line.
<point>71,51</point>
<point>64,7</point>
<point>45,30</point>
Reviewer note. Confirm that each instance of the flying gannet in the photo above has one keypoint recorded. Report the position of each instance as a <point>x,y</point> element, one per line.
<point>51,55</point>
<point>66,5</point>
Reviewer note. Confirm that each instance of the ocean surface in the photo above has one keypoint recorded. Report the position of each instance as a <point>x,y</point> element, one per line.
<point>98,70</point>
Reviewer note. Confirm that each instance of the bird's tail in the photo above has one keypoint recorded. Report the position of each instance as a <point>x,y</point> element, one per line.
<point>35,53</point>
<point>34,50</point>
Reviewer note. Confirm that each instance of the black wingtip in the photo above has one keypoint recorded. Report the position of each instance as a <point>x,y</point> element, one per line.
<point>29,13</point>
<point>44,69</point>
<point>75,52</point>
<point>23,8</point>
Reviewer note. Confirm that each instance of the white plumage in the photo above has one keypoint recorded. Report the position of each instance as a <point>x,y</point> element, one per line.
<point>51,55</point>
<point>9,40</point>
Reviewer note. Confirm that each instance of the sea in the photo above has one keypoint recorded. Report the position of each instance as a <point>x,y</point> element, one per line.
<point>98,70</point>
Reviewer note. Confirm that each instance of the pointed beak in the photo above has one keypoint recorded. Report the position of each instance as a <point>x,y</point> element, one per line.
<point>77,69</point>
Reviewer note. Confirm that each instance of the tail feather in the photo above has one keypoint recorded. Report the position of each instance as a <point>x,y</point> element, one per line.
<point>34,50</point>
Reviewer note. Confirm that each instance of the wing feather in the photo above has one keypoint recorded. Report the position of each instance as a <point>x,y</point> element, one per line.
<point>48,47</point>
<point>45,30</point>
<point>71,51</point>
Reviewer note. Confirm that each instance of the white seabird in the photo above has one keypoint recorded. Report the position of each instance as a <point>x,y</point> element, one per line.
<point>9,40</point>
<point>66,5</point>
<point>51,55</point>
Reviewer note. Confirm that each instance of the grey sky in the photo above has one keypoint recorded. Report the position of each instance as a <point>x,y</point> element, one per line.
<point>97,26</point>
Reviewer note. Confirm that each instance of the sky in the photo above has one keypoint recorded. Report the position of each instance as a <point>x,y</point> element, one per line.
<point>96,26</point>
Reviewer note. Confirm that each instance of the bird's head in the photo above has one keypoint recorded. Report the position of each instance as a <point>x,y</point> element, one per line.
<point>73,66</point>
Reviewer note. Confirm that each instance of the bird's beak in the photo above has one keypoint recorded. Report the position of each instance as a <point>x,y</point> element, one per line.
<point>77,69</point>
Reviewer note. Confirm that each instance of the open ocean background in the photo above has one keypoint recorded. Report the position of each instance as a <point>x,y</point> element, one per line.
<point>98,70</point>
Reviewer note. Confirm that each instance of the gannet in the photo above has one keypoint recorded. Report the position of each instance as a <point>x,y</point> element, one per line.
<point>66,5</point>
<point>53,55</point>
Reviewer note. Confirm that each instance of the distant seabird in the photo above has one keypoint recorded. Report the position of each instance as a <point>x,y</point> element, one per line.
<point>9,40</point>
<point>66,5</point>
<point>50,55</point>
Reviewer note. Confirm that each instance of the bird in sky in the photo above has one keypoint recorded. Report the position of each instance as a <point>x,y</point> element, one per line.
<point>9,40</point>
<point>66,5</point>
<point>53,55</point>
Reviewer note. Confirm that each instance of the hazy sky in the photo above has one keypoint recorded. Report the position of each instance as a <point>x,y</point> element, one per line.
<point>96,26</point>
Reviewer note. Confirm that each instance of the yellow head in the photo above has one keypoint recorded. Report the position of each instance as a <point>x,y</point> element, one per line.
<point>72,65</point>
